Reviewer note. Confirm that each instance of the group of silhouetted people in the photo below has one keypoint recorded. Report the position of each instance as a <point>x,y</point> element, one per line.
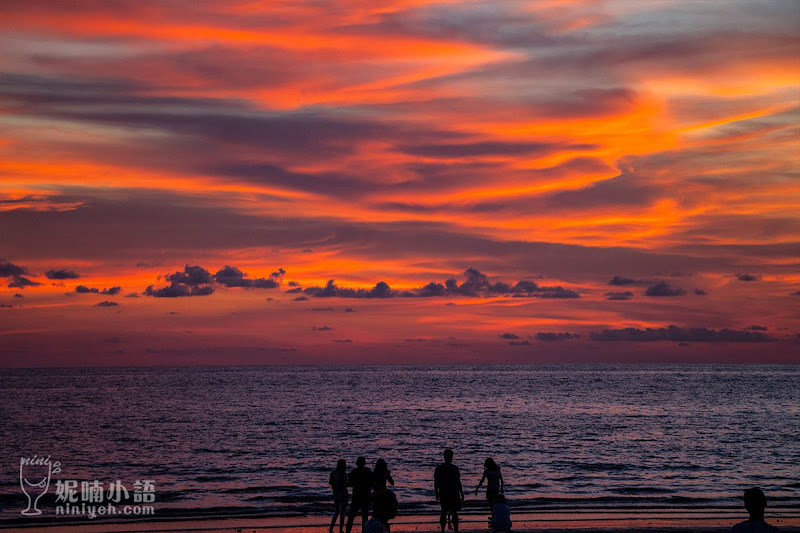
<point>450,494</point>
<point>370,487</point>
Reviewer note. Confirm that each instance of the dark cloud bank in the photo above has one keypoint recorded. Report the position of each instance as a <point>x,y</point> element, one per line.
<point>197,281</point>
<point>61,274</point>
<point>477,284</point>
<point>676,334</point>
<point>549,337</point>
<point>662,288</point>
<point>16,275</point>
<point>81,289</point>
<point>621,281</point>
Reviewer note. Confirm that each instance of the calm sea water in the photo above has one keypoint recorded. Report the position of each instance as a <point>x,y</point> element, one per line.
<point>263,439</point>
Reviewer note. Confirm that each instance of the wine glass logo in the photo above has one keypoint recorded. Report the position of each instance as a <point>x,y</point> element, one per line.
<point>34,479</point>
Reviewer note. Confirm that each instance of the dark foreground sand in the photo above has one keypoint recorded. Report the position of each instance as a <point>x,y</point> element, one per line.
<point>553,522</point>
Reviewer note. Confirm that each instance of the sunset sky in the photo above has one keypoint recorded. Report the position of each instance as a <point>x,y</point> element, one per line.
<point>180,180</point>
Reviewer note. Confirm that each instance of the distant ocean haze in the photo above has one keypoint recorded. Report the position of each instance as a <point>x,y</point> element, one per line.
<point>263,439</point>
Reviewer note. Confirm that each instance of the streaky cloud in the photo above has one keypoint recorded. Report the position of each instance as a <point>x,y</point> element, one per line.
<point>748,277</point>
<point>61,274</point>
<point>662,288</point>
<point>619,296</point>
<point>550,337</point>
<point>677,334</point>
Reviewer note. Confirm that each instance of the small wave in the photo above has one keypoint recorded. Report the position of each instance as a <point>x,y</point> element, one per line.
<point>295,498</point>
<point>165,496</point>
<point>208,479</point>
<point>259,499</point>
<point>563,479</point>
<point>640,490</point>
<point>11,500</point>
<point>601,467</point>
<point>252,490</point>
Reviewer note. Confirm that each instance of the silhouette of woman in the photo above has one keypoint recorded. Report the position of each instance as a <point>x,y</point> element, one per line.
<point>338,482</point>
<point>382,476</point>
<point>494,485</point>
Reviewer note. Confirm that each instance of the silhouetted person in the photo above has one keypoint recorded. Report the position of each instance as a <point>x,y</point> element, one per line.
<point>381,475</point>
<point>338,482</point>
<point>755,502</point>
<point>384,508</point>
<point>494,482</point>
<point>361,480</point>
<point>447,486</point>
<point>501,515</point>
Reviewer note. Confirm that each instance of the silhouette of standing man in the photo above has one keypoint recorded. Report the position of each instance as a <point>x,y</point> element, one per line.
<point>447,486</point>
<point>361,480</point>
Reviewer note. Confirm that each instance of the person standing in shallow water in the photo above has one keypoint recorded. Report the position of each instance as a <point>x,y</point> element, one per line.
<point>382,476</point>
<point>494,483</point>
<point>755,502</point>
<point>338,482</point>
<point>361,480</point>
<point>449,493</point>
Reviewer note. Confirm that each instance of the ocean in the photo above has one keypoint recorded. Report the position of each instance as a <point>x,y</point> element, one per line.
<point>262,440</point>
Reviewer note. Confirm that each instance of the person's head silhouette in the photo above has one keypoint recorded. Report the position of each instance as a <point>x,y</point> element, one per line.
<point>755,502</point>
<point>448,455</point>
<point>380,466</point>
<point>341,465</point>
<point>384,507</point>
<point>489,464</point>
<point>361,461</point>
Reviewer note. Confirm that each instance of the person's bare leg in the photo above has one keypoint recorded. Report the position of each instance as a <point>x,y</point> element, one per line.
<point>351,517</point>
<point>333,520</point>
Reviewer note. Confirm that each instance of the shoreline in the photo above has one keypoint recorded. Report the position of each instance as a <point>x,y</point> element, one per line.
<point>674,521</point>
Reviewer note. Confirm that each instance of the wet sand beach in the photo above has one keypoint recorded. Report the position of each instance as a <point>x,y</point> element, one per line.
<point>554,522</point>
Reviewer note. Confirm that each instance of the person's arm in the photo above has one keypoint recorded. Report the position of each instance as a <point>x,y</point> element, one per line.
<point>436,483</point>
<point>460,488</point>
<point>502,486</point>
<point>389,477</point>
<point>481,483</point>
<point>350,479</point>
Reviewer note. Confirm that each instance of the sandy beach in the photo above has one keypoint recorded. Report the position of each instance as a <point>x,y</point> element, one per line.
<point>553,522</point>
